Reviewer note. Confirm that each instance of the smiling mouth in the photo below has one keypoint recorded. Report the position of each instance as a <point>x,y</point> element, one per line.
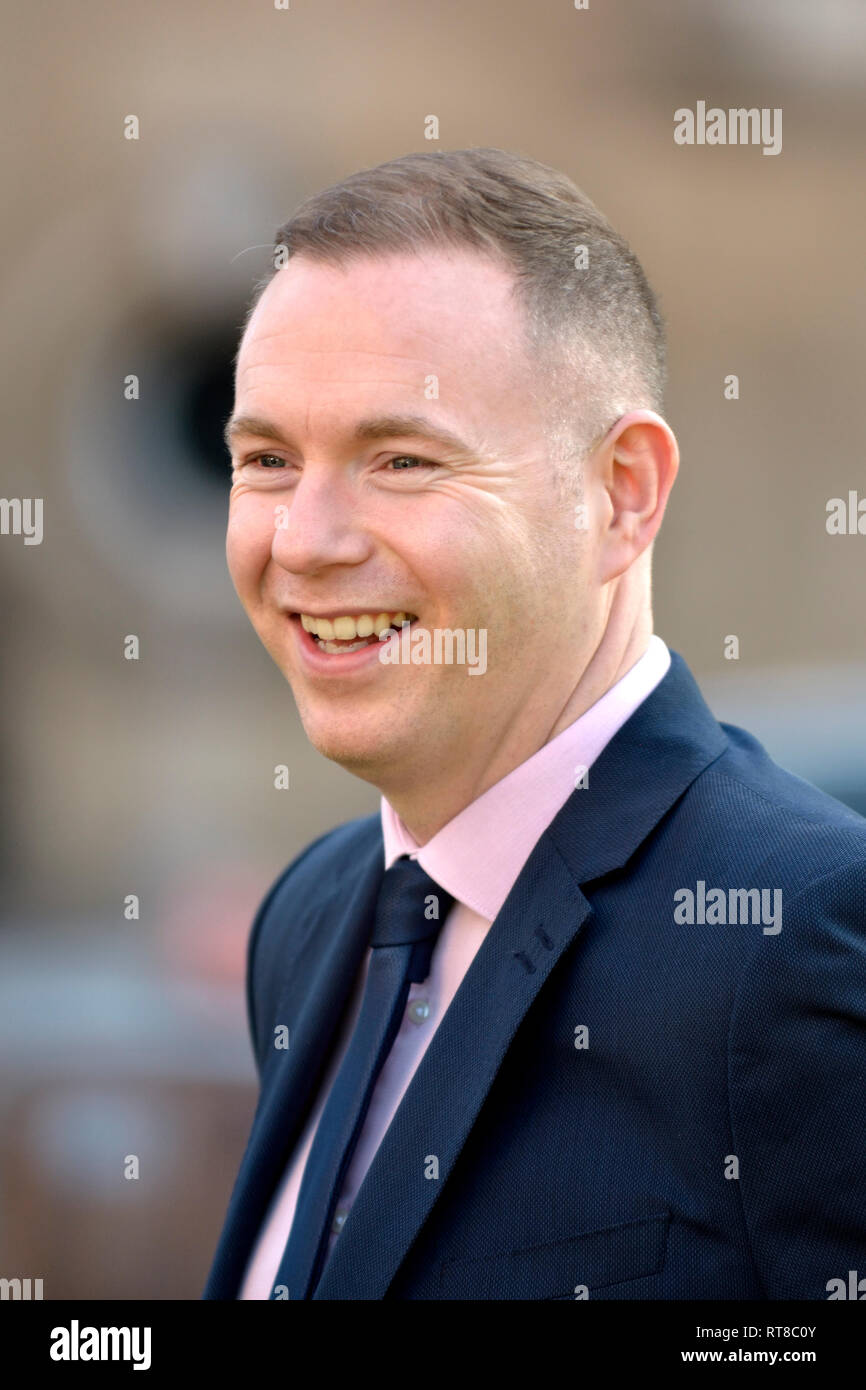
<point>349,633</point>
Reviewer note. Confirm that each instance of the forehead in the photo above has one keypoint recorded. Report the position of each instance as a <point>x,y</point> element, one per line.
<point>399,317</point>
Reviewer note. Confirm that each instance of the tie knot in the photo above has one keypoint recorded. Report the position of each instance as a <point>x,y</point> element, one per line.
<point>411,907</point>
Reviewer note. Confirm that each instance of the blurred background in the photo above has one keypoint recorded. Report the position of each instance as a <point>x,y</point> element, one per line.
<point>124,1035</point>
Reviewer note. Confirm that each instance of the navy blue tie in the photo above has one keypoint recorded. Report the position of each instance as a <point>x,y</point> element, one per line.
<point>410,910</point>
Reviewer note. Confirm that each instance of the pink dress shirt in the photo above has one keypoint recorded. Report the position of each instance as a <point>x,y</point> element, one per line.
<point>476,858</point>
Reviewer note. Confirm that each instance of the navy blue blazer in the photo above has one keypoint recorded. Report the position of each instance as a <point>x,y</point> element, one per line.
<point>651,1083</point>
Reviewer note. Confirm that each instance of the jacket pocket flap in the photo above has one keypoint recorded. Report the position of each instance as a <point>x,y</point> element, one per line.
<point>593,1259</point>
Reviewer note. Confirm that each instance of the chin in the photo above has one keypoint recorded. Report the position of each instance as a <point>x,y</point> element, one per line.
<point>359,751</point>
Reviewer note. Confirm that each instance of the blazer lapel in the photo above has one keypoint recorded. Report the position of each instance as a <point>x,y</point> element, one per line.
<point>312,1009</point>
<point>649,763</point>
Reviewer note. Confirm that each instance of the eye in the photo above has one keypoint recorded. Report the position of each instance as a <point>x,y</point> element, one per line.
<point>273,460</point>
<point>403,462</point>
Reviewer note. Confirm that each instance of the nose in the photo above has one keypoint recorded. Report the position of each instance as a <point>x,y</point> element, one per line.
<point>319,524</point>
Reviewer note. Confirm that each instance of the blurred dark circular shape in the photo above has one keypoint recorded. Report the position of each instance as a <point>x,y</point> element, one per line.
<point>204,367</point>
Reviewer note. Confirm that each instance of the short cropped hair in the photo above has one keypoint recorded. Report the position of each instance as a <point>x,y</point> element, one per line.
<point>592,324</point>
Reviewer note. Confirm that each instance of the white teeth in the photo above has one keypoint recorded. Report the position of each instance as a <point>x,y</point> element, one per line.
<point>345,628</point>
<point>336,650</point>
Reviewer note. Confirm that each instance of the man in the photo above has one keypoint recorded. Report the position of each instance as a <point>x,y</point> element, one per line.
<point>582,1014</point>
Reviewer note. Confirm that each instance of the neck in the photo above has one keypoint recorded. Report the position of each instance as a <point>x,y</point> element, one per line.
<point>437,791</point>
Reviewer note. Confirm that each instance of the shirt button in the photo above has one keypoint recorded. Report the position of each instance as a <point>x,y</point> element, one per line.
<point>419,1009</point>
<point>339,1220</point>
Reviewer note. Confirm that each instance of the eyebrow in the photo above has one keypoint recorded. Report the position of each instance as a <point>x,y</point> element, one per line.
<point>377,427</point>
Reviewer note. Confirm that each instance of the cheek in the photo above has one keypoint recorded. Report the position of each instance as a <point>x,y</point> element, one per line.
<point>456,548</point>
<point>249,537</point>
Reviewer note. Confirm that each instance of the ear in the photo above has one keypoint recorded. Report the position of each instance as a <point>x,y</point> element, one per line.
<point>635,466</point>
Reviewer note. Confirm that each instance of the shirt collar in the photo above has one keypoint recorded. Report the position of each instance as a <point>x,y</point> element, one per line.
<point>478,855</point>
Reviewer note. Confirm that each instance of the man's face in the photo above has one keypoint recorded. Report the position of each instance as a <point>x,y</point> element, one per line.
<point>326,521</point>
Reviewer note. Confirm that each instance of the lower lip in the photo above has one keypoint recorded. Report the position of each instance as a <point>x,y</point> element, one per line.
<point>336,663</point>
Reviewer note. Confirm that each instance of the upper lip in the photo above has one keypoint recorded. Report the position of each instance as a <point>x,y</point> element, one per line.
<point>347,612</point>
